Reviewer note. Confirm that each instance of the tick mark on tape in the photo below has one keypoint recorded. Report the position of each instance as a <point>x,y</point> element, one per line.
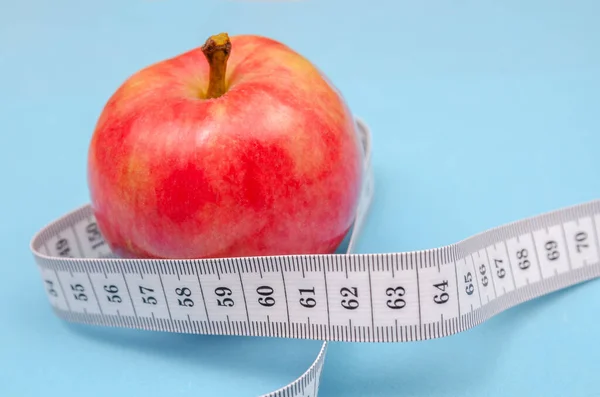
<point>259,266</point>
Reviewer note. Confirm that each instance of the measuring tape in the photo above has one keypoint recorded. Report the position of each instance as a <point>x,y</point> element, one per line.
<point>392,297</point>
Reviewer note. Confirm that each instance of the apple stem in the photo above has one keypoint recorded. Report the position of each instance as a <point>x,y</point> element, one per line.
<point>216,50</point>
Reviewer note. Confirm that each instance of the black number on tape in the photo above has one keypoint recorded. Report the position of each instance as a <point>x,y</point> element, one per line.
<point>79,292</point>
<point>185,291</point>
<point>581,237</point>
<point>349,304</point>
<point>150,300</point>
<point>552,248</point>
<point>113,289</point>
<point>484,278</point>
<point>523,261</point>
<point>265,293</point>
<point>469,281</point>
<point>443,297</point>
<point>397,303</point>
<point>94,236</point>
<point>224,291</point>
<point>51,290</point>
<point>62,247</point>
<point>500,270</point>
<point>308,302</point>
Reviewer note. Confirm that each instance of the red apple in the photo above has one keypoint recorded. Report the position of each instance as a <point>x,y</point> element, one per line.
<point>240,147</point>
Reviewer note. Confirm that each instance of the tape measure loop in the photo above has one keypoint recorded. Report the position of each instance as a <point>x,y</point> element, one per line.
<point>375,297</point>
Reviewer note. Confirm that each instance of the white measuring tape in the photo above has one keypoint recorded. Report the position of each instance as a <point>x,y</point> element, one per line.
<point>393,297</point>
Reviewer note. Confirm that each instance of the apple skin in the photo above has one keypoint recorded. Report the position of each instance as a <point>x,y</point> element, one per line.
<point>272,167</point>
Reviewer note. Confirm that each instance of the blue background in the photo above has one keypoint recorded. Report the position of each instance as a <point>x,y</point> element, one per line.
<point>483,112</point>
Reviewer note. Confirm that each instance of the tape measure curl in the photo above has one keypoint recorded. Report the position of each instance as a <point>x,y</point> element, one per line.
<point>391,297</point>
